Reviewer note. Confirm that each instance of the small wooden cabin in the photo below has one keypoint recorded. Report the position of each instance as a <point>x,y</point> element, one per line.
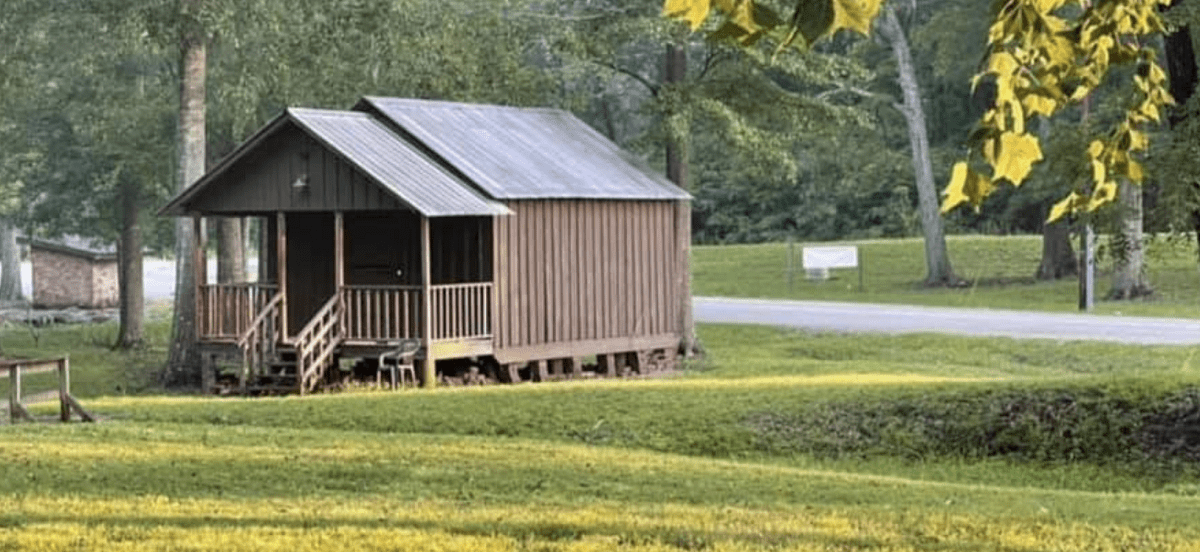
<point>518,241</point>
<point>73,272</point>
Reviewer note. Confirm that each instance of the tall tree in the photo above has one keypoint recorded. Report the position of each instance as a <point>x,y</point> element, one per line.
<point>938,271</point>
<point>129,264</point>
<point>183,362</point>
<point>10,263</point>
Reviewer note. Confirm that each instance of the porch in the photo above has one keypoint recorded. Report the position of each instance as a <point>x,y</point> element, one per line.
<point>358,321</point>
<point>339,286</point>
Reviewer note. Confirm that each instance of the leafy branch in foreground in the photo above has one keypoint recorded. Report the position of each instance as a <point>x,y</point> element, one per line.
<point>1043,56</point>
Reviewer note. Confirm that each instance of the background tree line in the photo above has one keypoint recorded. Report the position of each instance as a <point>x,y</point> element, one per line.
<point>815,146</point>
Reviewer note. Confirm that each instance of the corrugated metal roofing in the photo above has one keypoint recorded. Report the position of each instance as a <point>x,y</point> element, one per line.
<point>392,162</point>
<point>78,246</point>
<point>517,153</point>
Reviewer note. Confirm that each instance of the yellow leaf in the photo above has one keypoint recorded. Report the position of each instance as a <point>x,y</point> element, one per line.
<point>1150,111</point>
<point>1157,75</point>
<point>855,15</point>
<point>692,11</point>
<point>742,15</point>
<point>1002,64</point>
<point>965,186</point>
<point>1037,104</point>
<point>989,151</point>
<point>1016,156</point>
<point>1138,141</point>
<point>1103,194</point>
<point>817,19</point>
<point>1065,206</point>
<point>1134,171</point>
<point>1099,172</point>
<point>1047,6</point>
<point>1060,51</point>
<point>1095,149</point>
<point>1018,116</point>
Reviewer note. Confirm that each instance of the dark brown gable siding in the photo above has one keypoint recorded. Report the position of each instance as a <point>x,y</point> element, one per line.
<point>262,181</point>
<point>586,271</point>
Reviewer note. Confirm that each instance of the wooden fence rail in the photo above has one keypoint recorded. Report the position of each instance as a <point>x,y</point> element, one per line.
<point>15,369</point>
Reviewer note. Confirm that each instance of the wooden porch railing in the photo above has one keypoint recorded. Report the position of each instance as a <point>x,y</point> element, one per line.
<point>381,313</point>
<point>316,343</point>
<point>227,311</point>
<point>260,340</point>
<point>462,311</point>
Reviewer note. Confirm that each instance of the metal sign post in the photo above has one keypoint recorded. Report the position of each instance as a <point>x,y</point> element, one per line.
<point>1087,269</point>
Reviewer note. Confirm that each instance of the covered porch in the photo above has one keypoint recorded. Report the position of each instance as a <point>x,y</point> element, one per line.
<point>338,286</point>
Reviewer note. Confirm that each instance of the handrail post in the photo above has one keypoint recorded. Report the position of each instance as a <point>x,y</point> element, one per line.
<point>64,389</point>
<point>14,391</point>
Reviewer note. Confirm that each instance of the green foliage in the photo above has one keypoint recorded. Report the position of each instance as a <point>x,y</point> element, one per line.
<point>1107,425</point>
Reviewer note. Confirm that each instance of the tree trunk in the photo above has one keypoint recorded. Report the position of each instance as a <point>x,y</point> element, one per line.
<point>677,154</point>
<point>937,259</point>
<point>1129,251</point>
<point>231,251</point>
<point>1058,257</point>
<point>675,72</point>
<point>10,263</point>
<point>129,270</point>
<point>183,365</point>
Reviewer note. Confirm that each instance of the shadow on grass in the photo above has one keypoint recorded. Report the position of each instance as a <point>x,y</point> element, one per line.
<point>967,539</point>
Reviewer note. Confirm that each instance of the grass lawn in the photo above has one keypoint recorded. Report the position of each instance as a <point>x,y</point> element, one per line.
<point>708,460</point>
<point>998,272</point>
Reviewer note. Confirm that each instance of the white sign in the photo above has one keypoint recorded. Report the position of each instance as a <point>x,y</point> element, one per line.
<point>831,257</point>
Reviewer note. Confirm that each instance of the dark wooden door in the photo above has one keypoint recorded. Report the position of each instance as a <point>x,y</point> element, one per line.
<point>310,266</point>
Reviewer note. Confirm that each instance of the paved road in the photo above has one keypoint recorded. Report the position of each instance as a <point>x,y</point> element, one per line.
<point>861,317</point>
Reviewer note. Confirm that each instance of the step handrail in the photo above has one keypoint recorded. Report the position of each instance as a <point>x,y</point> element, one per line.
<point>316,342</point>
<point>255,343</point>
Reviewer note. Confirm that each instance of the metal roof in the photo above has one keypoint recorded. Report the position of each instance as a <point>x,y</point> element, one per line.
<point>394,163</point>
<point>373,148</point>
<point>77,246</point>
<point>520,153</point>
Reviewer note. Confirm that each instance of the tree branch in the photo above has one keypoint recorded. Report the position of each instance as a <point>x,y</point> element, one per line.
<point>653,88</point>
<point>853,90</point>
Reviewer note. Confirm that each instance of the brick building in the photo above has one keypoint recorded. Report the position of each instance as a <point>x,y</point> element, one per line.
<point>72,272</point>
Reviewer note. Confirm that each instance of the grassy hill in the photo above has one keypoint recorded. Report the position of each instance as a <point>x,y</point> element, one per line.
<point>780,440</point>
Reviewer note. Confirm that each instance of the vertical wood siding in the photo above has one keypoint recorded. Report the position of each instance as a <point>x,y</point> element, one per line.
<point>262,181</point>
<point>582,270</point>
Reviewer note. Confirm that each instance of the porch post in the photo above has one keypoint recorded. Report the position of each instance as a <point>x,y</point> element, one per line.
<point>200,274</point>
<point>264,251</point>
<point>429,367</point>
<point>339,263</point>
<point>281,271</point>
<point>339,252</point>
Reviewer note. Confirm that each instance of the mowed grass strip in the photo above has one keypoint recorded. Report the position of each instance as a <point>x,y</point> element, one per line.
<point>190,487</point>
<point>998,272</point>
